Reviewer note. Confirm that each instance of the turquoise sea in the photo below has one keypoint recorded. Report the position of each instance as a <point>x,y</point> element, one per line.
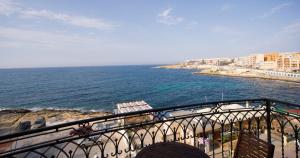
<point>100,88</point>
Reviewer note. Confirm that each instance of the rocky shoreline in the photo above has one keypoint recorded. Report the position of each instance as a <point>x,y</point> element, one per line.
<point>17,119</point>
<point>175,66</point>
<point>245,75</point>
<point>209,71</point>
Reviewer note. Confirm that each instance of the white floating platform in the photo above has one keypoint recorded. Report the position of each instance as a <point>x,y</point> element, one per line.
<point>132,106</point>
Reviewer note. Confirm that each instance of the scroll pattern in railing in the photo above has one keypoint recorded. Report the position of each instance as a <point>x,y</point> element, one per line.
<point>212,127</point>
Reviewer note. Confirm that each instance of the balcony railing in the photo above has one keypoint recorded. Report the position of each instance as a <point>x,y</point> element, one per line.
<point>212,127</point>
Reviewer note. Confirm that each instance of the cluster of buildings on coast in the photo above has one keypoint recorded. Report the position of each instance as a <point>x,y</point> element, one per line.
<point>269,65</point>
<point>276,61</point>
<point>285,61</point>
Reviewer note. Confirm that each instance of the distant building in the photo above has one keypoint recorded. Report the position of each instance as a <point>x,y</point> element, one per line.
<point>258,61</point>
<point>251,61</point>
<point>269,65</point>
<point>275,61</point>
<point>242,61</point>
<point>288,62</point>
<point>212,61</point>
<point>270,61</point>
<point>272,56</point>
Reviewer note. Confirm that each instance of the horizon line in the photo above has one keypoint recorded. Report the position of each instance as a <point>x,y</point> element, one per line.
<point>81,66</point>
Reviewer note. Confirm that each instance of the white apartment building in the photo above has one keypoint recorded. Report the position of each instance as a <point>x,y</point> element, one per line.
<point>269,65</point>
<point>251,61</point>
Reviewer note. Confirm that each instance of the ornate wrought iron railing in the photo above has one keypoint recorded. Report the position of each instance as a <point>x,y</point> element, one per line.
<point>212,127</point>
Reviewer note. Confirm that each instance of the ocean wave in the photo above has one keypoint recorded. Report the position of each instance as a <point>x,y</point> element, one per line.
<point>34,109</point>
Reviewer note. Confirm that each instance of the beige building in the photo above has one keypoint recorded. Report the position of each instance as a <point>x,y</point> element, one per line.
<point>269,65</point>
<point>288,62</point>
<point>242,61</point>
<point>251,61</point>
<point>272,56</point>
<point>270,61</point>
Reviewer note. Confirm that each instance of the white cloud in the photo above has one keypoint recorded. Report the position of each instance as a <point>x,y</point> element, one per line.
<point>22,37</point>
<point>59,41</point>
<point>35,48</point>
<point>274,10</point>
<point>7,8</point>
<point>80,21</point>
<point>165,17</point>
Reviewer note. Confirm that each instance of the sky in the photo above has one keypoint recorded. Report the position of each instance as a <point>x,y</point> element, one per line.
<point>58,33</point>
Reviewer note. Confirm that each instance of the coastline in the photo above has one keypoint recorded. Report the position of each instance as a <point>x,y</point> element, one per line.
<point>10,119</point>
<point>175,66</point>
<point>246,76</point>
<point>208,70</point>
<point>182,66</point>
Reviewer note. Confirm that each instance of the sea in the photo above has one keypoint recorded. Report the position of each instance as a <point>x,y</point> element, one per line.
<point>101,88</point>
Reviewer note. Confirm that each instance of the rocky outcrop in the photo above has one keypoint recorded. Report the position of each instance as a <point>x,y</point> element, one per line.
<point>175,66</point>
<point>21,120</point>
<point>10,117</point>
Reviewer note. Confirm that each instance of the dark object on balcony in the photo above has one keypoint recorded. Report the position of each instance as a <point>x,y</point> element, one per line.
<point>171,149</point>
<point>250,146</point>
<point>81,131</point>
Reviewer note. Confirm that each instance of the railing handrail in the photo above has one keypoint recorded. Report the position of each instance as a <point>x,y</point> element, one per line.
<point>53,142</point>
<point>107,117</point>
<point>264,107</point>
<point>55,127</point>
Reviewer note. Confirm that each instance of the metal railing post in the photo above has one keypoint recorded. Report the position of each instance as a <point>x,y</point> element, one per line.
<point>296,137</point>
<point>268,110</point>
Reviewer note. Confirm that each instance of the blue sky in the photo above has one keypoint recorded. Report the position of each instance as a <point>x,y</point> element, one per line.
<point>50,33</point>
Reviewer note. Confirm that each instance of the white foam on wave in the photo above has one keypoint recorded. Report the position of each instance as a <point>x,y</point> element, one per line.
<point>1,108</point>
<point>53,108</point>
